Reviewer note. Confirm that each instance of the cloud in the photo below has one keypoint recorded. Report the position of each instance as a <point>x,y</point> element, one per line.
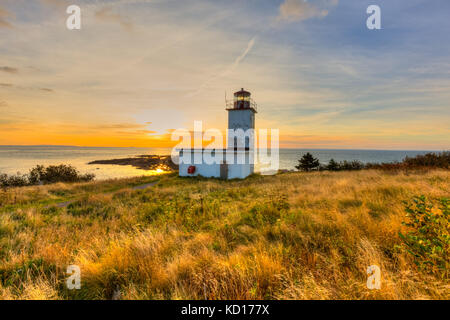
<point>3,104</point>
<point>136,132</point>
<point>10,85</point>
<point>304,79</point>
<point>55,3</point>
<point>122,126</point>
<point>9,69</point>
<point>46,89</point>
<point>299,10</point>
<point>106,14</point>
<point>3,15</point>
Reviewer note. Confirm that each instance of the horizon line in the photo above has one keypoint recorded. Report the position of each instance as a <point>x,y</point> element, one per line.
<point>77,146</point>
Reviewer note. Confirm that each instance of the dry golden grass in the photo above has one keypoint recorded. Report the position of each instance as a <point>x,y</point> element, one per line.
<point>290,236</point>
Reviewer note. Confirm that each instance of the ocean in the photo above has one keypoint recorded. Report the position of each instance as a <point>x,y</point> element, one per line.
<point>14,159</point>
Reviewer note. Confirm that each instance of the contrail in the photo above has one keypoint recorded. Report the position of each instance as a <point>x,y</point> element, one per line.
<point>228,70</point>
<point>241,57</point>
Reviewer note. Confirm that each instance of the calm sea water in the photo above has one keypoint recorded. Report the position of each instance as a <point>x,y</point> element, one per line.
<point>15,159</point>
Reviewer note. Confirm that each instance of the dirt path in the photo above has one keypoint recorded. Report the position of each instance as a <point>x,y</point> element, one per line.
<point>145,186</point>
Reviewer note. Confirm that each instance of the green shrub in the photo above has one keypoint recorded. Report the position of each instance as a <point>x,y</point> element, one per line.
<point>60,173</point>
<point>430,160</point>
<point>351,165</point>
<point>344,165</point>
<point>45,175</point>
<point>428,237</point>
<point>437,160</point>
<point>17,180</point>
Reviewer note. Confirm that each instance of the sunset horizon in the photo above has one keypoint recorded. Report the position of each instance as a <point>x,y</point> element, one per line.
<point>174,144</point>
<point>137,70</point>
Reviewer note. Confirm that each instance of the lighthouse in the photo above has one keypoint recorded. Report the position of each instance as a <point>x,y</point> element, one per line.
<point>241,116</point>
<point>236,161</point>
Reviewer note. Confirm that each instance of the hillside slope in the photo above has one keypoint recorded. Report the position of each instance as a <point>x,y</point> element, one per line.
<point>290,236</point>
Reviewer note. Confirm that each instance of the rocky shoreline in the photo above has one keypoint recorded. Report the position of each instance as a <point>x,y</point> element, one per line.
<point>144,162</point>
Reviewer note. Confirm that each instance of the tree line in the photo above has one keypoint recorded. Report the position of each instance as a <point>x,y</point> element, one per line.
<point>430,160</point>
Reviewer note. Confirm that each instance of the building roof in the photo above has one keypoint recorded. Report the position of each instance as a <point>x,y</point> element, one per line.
<point>242,92</point>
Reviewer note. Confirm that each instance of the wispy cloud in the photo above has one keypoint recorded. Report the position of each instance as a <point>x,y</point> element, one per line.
<point>12,86</point>
<point>56,3</point>
<point>46,89</point>
<point>108,15</point>
<point>9,69</point>
<point>3,16</point>
<point>122,126</point>
<point>298,10</point>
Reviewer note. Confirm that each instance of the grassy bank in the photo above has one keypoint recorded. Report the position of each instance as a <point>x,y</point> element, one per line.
<point>290,236</point>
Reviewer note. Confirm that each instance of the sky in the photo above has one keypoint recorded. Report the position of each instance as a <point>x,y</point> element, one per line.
<point>139,69</point>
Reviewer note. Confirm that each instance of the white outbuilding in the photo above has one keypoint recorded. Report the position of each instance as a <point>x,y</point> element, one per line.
<point>237,160</point>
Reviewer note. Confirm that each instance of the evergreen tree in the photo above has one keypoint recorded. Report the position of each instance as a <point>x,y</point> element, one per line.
<point>308,162</point>
<point>333,165</point>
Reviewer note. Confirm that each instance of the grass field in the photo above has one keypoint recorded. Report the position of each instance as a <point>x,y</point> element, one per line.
<point>290,236</point>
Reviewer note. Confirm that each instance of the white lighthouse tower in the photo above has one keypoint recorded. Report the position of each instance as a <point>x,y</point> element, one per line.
<point>241,116</point>
<point>237,160</point>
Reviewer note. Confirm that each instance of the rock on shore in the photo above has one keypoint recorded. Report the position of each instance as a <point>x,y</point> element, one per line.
<point>144,162</point>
